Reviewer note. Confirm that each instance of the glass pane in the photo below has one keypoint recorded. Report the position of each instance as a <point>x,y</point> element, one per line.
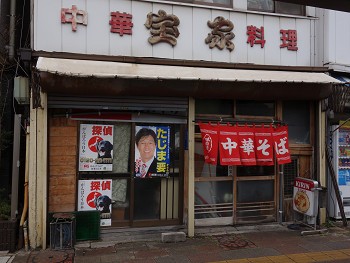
<point>255,170</point>
<point>203,169</point>
<point>255,108</point>
<point>297,115</point>
<point>147,198</point>
<point>120,197</point>
<point>255,191</point>
<point>121,148</point>
<point>220,107</point>
<point>288,8</point>
<point>213,199</point>
<point>261,5</point>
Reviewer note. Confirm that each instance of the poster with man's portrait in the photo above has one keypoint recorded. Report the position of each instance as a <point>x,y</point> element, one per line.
<point>152,156</point>
<point>96,147</point>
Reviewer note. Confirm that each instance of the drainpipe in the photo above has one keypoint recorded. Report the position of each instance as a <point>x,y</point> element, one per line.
<point>12,30</point>
<point>23,223</point>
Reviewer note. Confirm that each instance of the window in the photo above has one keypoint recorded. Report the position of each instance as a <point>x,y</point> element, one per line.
<point>225,3</point>
<point>217,107</point>
<point>255,108</point>
<point>276,7</point>
<point>297,115</point>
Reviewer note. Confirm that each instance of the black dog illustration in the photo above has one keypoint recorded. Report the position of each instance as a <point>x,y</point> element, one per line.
<point>104,149</point>
<point>102,203</point>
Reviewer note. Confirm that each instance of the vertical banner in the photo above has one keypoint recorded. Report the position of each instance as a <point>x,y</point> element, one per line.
<point>96,195</point>
<point>246,145</point>
<point>264,145</point>
<point>280,137</point>
<point>228,146</point>
<point>96,147</point>
<point>152,151</point>
<point>210,142</point>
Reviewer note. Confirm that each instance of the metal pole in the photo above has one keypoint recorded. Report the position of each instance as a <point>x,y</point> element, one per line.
<point>15,165</point>
<point>281,184</point>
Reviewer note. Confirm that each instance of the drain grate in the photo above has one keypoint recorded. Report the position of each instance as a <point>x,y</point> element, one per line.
<point>234,242</point>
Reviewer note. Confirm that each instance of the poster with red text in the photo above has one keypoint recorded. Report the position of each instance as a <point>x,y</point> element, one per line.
<point>96,147</point>
<point>96,195</point>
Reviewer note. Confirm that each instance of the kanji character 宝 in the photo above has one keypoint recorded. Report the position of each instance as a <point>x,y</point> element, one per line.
<point>121,23</point>
<point>289,39</point>
<point>221,34</point>
<point>255,36</point>
<point>163,27</point>
<point>73,16</point>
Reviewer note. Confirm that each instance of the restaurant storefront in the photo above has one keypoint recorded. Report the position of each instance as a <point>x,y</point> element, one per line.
<point>87,91</point>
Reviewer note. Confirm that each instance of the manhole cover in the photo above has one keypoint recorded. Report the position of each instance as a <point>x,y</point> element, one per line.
<point>233,242</point>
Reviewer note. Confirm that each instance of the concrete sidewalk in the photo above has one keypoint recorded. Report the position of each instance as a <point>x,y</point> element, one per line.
<point>269,243</point>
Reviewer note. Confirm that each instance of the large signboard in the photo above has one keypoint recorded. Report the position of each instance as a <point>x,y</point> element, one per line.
<point>96,147</point>
<point>96,195</point>
<point>305,196</point>
<point>152,156</point>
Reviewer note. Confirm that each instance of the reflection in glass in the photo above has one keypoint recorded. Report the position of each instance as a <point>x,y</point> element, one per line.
<point>297,115</point>
<point>147,198</point>
<point>203,169</point>
<point>213,199</point>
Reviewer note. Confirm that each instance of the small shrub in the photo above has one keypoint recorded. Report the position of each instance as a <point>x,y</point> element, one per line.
<point>5,206</point>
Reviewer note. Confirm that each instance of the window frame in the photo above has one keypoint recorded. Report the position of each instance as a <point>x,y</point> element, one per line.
<point>202,2</point>
<point>276,7</point>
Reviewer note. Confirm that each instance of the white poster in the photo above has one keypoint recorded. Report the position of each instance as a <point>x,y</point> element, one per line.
<point>96,147</point>
<point>96,195</point>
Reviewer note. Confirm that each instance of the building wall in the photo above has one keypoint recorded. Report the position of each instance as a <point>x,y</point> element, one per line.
<point>63,152</point>
<point>336,39</point>
<point>96,38</point>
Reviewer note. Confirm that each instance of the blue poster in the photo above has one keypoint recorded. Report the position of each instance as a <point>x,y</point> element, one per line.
<point>152,151</point>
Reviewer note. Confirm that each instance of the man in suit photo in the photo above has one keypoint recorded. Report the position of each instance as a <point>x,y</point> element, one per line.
<point>146,143</point>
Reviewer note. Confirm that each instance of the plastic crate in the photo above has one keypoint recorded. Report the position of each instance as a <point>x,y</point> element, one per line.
<point>87,225</point>
<point>62,231</point>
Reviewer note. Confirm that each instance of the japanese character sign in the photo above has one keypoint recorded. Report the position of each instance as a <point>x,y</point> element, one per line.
<point>280,137</point>
<point>264,145</point>
<point>289,39</point>
<point>163,27</point>
<point>255,36</point>
<point>246,145</point>
<point>221,34</point>
<point>121,23</point>
<point>96,195</point>
<point>96,147</point>
<point>152,151</point>
<point>210,142</point>
<point>228,146</point>
<point>73,16</point>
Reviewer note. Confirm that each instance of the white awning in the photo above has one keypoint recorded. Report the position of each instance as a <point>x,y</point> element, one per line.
<point>106,69</point>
